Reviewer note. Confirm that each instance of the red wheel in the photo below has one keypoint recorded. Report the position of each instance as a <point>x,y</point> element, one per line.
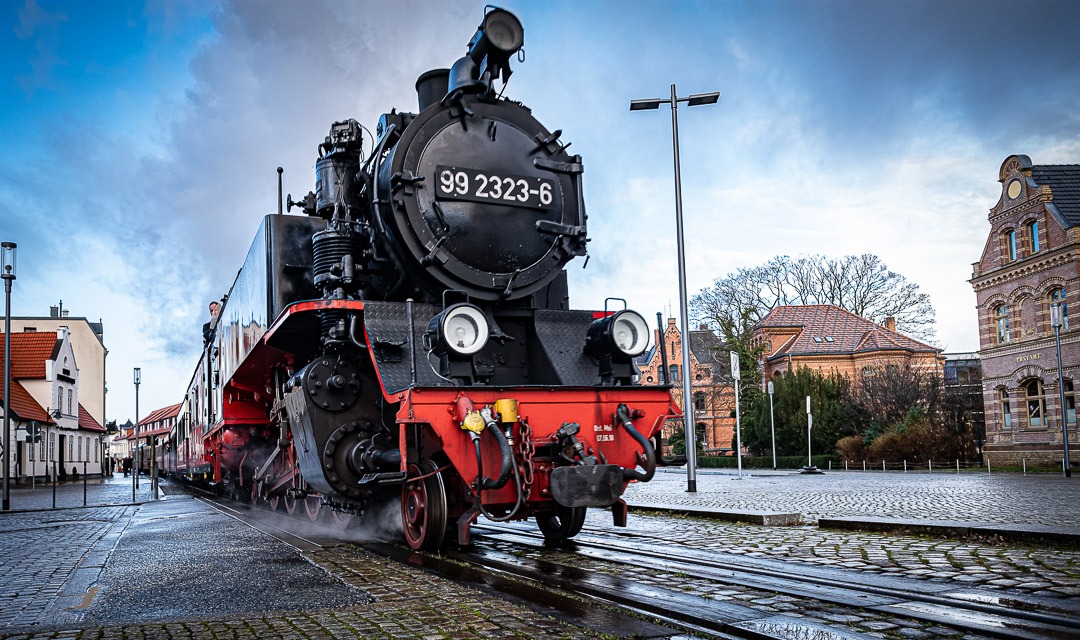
<point>313,507</point>
<point>273,501</point>
<point>290,503</point>
<point>342,520</point>
<point>423,507</point>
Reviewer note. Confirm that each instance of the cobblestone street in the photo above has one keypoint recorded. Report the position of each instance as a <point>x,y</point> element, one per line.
<point>77,572</point>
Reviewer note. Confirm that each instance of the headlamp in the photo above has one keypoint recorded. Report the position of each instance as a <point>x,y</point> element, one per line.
<point>623,333</point>
<point>461,329</point>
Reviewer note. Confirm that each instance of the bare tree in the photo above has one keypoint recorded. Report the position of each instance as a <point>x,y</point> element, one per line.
<point>861,284</point>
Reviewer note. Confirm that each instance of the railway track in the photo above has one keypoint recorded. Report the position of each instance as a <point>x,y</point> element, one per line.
<point>972,611</point>
<point>628,584</point>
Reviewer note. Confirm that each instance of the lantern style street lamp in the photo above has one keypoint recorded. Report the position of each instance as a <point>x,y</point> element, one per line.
<point>135,454</point>
<point>1057,320</point>
<point>7,272</point>
<point>688,404</point>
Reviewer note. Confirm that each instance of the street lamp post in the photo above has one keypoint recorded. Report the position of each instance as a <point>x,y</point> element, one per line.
<point>772,426</point>
<point>688,405</point>
<point>1057,320</point>
<point>135,454</point>
<point>7,272</point>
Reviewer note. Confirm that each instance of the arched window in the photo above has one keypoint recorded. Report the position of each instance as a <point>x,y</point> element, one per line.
<point>1033,236</point>
<point>702,434</point>
<point>674,371</point>
<point>1006,410</point>
<point>1057,297</point>
<point>699,401</point>
<point>1070,401</point>
<point>1036,403</point>
<point>1001,318</point>
<point>1010,245</point>
<point>70,412</point>
<point>60,399</point>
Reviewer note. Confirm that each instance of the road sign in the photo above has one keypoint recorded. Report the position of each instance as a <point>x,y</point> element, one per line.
<point>735,366</point>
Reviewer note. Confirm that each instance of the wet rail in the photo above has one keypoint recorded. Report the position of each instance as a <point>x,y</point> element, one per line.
<point>972,611</point>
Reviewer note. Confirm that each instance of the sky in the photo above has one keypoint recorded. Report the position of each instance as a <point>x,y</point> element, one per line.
<point>141,139</point>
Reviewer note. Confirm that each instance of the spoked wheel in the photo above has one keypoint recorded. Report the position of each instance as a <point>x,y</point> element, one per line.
<point>561,525</point>
<point>313,507</point>
<point>423,507</point>
<point>273,501</point>
<point>342,520</point>
<point>289,501</point>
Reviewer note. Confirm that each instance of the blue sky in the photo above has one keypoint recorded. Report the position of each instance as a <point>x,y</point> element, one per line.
<point>141,139</point>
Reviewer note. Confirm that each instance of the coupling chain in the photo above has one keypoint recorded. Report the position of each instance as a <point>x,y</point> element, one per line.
<point>526,450</point>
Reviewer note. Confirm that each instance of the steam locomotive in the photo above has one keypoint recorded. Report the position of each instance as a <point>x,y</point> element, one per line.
<point>410,335</point>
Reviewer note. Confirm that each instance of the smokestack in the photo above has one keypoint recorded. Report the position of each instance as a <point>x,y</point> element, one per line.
<point>890,323</point>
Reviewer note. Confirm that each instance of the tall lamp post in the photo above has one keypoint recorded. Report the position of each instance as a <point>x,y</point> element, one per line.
<point>7,272</point>
<point>684,312</point>
<point>135,454</point>
<point>1057,320</point>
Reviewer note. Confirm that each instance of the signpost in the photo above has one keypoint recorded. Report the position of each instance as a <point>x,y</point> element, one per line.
<point>772,426</point>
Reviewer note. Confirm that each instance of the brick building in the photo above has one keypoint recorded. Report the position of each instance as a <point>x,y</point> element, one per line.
<point>829,339</point>
<point>1029,263</point>
<point>710,385</point>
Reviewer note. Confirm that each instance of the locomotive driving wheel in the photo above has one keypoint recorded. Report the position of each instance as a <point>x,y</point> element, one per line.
<point>423,506</point>
<point>561,525</point>
<point>313,507</point>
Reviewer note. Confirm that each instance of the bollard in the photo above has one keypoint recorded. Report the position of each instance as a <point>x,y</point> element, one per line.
<point>930,465</point>
<point>53,484</point>
<point>905,466</point>
<point>882,465</point>
<point>845,465</point>
<point>988,465</point>
<point>958,466</point>
<point>830,465</point>
<point>84,483</point>
<point>1024,462</point>
<point>864,465</point>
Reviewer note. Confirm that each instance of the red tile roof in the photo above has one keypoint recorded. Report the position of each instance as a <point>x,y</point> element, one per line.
<point>29,352</point>
<point>826,329</point>
<point>23,404</point>
<point>87,422</point>
<point>164,413</point>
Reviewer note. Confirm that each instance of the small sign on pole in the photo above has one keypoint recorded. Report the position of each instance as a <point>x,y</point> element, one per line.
<point>738,426</point>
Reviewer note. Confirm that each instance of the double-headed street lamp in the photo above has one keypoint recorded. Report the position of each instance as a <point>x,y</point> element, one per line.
<point>7,272</point>
<point>688,404</point>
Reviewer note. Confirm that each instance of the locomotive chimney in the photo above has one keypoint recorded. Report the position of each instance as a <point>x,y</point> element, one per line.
<point>432,86</point>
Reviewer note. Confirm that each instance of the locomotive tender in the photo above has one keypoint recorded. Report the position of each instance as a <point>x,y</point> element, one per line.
<point>411,335</point>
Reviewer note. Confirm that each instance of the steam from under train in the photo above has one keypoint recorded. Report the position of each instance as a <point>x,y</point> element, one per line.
<point>410,335</point>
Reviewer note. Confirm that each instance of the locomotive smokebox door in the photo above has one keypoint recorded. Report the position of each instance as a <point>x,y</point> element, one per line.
<point>483,199</point>
<point>595,485</point>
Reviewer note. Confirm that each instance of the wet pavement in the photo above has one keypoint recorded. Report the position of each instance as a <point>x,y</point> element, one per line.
<point>177,568</point>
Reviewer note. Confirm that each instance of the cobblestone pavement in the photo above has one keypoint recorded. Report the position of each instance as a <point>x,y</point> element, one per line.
<point>998,498</point>
<point>54,563</point>
<point>50,559</point>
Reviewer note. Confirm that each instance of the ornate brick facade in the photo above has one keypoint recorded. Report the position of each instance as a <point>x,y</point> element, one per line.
<point>710,385</point>
<point>1029,264</point>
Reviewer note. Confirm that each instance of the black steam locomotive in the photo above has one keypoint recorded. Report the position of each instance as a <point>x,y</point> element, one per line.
<point>411,334</point>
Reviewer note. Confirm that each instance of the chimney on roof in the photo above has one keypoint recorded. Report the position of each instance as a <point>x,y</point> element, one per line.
<point>62,332</point>
<point>703,327</point>
<point>890,323</point>
<point>671,323</point>
<point>54,311</point>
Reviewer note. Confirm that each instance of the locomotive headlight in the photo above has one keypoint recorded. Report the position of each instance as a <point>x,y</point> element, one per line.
<point>460,328</point>
<point>623,333</point>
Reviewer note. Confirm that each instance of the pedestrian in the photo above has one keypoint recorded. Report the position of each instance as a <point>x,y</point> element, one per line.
<point>127,466</point>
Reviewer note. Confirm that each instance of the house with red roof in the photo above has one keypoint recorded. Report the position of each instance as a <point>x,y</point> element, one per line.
<point>53,434</point>
<point>829,339</point>
<point>153,430</point>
